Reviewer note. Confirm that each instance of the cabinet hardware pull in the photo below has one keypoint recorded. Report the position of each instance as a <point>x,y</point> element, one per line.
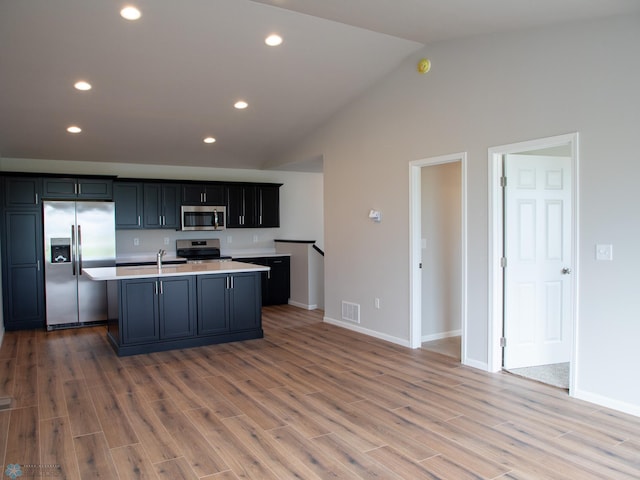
<point>155,288</point>
<point>205,197</point>
<point>38,265</point>
<point>36,199</point>
<point>79,189</point>
<point>161,289</point>
<point>138,220</point>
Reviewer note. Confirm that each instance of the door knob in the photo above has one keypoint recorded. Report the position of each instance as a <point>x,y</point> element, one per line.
<point>566,271</point>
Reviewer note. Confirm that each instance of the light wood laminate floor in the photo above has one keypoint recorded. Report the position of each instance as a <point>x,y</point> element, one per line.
<point>308,401</point>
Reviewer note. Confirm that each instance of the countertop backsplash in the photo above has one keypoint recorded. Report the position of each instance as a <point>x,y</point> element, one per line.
<point>136,244</point>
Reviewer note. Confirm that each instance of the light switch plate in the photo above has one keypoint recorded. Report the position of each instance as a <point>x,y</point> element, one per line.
<point>604,252</point>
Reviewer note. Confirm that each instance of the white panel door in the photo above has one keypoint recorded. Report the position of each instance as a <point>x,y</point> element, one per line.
<point>538,317</point>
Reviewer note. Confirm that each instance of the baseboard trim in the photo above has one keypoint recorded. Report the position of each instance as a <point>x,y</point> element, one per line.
<point>371,333</point>
<point>440,336</point>
<point>302,305</point>
<point>607,402</point>
<point>475,364</point>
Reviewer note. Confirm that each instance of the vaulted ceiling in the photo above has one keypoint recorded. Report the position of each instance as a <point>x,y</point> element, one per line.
<point>163,83</point>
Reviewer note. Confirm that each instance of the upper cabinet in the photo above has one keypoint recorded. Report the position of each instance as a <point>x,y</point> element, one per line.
<point>161,205</point>
<point>203,194</point>
<point>268,205</point>
<point>128,199</point>
<point>22,192</point>
<point>241,206</point>
<point>81,188</point>
<point>253,205</point>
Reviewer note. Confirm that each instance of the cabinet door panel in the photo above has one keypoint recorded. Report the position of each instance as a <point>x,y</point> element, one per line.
<point>22,192</point>
<point>23,277</point>
<point>59,188</point>
<point>170,201</point>
<point>140,309</point>
<point>97,189</point>
<point>151,205</point>
<point>177,307</point>
<point>269,206</point>
<point>25,295</point>
<point>245,308</point>
<point>128,200</point>
<point>213,314</point>
<point>279,281</point>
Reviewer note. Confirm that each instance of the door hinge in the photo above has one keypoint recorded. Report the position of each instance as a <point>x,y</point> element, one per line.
<point>503,262</point>
<point>503,181</point>
<point>420,265</point>
<point>503,342</point>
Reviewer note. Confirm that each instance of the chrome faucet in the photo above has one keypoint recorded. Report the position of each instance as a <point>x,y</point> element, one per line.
<point>160,255</point>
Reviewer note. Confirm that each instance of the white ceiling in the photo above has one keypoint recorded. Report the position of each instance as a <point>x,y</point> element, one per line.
<point>163,83</point>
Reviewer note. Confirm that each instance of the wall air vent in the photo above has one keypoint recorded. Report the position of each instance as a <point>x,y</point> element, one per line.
<point>351,312</point>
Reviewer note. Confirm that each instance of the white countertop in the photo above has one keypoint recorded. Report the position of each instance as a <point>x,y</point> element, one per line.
<point>150,271</point>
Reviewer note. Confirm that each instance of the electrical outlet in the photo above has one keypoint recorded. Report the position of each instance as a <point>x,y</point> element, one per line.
<point>255,239</point>
<point>136,242</point>
<point>229,239</point>
<point>166,240</point>
<point>376,303</point>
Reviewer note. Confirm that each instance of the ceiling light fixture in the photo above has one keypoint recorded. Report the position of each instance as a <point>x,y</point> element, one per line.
<point>209,140</point>
<point>82,85</point>
<point>273,40</point>
<point>241,104</point>
<point>130,13</point>
<point>74,129</point>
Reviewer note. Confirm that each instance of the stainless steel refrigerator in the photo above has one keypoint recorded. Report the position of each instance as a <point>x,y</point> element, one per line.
<point>77,235</point>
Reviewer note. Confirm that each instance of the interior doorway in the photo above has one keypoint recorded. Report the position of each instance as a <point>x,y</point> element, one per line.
<point>533,258</point>
<point>438,251</point>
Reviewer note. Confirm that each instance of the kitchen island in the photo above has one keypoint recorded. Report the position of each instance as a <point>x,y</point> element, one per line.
<point>180,306</point>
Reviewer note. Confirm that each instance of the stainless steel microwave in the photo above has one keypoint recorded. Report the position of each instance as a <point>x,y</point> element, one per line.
<point>203,217</point>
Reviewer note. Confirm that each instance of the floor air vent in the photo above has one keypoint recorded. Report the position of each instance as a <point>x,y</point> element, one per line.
<point>351,312</point>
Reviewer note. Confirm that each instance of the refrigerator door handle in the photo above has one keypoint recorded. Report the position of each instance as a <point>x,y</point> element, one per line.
<point>79,250</point>
<point>73,250</point>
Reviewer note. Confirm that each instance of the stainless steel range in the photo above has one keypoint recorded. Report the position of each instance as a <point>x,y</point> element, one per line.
<point>200,251</point>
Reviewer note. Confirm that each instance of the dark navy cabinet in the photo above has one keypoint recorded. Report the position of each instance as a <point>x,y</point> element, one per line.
<point>156,309</point>
<point>276,283</point>
<point>22,254</point>
<point>161,205</point>
<point>77,188</point>
<point>166,312</point>
<point>203,194</point>
<point>127,197</point>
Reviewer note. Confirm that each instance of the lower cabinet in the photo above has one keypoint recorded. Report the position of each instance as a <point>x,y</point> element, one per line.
<point>229,303</point>
<point>157,309</point>
<point>276,283</point>
<point>22,269</point>
<point>163,313</point>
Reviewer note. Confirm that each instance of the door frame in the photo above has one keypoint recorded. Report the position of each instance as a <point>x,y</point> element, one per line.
<point>415,247</point>
<point>496,226</point>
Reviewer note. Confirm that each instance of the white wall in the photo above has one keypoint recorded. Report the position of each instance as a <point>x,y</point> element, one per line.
<point>481,92</point>
<point>441,251</point>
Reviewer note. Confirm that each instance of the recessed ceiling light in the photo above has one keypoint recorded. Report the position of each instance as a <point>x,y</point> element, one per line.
<point>82,85</point>
<point>241,104</point>
<point>130,13</point>
<point>209,140</point>
<point>74,129</point>
<point>273,40</point>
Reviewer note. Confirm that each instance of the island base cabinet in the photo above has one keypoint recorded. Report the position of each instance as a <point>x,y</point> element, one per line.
<point>164,313</point>
<point>229,303</point>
